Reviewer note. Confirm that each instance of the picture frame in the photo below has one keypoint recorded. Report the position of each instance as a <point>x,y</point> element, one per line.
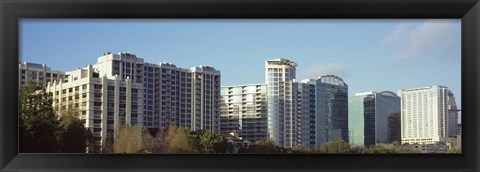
<point>466,10</point>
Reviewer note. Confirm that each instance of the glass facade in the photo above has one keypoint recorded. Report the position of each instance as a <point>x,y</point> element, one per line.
<point>374,118</point>
<point>332,109</point>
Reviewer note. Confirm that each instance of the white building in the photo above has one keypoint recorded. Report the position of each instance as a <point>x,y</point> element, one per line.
<point>425,114</point>
<point>282,119</point>
<point>104,102</point>
<point>244,110</point>
<point>39,73</point>
<point>121,89</point>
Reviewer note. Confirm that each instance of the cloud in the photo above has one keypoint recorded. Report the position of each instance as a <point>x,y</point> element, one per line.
<point>437,38</point>
<point>397,34</point>
<point>317,70</point>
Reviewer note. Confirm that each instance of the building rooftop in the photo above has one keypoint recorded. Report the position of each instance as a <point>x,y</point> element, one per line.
<point>282,61</point>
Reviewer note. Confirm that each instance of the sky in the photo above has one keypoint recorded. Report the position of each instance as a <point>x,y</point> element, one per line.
<point>370,55</point>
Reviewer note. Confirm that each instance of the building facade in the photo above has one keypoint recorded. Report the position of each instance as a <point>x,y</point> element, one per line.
<point>105,103</point>
<point>306,112</point>
<point>122,89</point>
<point>244,111</point>
<point>331,106</point>
<point>425,114</point>
<point>38,73</point>
<point>373,118</point>
<point>281,119</point>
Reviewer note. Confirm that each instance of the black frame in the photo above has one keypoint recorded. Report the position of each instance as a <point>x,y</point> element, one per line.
<point>467,10</point>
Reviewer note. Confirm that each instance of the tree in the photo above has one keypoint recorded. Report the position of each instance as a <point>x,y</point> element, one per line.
<point>209,139</point>
<point>163,139</point>
<point>129,140</point>
<point>181,142</point>
<point>223,147</point>
<point>38,123</point>
<point>390,148</point>
<point>74,137</point>
<point>149,141</point>
<point>299,148</point>
<point>263,146</point>
<point>107,147</point>
<point>335,147</point>
<point>455,150</point>
<point>73,134</point>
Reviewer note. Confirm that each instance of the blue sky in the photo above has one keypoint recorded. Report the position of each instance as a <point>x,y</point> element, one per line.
<point>370,55</point>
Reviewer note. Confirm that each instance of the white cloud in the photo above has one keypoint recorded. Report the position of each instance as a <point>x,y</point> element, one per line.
<point>398,33</point>
<point>433,37</point>
<point>317,70</point>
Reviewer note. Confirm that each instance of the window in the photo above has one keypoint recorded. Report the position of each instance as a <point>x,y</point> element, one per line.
<point>77,88</point>
<point>84,86</point>
<point>111,88</point>
<point>97,104</point>
<point>97,121</point>
<point>64,91</point>
<point>84,95</point>
<point>96,86</point>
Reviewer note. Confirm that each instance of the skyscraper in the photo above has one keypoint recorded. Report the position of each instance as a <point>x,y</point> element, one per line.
<point>331,106</point>
<point>122,89</point>
<point>244,109</point>
<point>373,117</point>
<point>306,112</point>
<point>425,114</point>
<point>279,77</point>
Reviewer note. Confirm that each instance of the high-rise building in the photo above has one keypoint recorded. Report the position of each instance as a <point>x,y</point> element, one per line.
<point>331,106</point>
<point>38,73</point>
<point>306,112</point>
<point>205,98</point>
<point>121,89</point>
<point>104,102</point>
<point>425,114</point>
<point>281,118</point>
<point>373,118</point>
<point>244,110</point>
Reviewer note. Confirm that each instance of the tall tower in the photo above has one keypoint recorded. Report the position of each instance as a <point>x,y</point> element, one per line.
<point>424,114</point>
<point>331,121</point>
<point>279,77</point>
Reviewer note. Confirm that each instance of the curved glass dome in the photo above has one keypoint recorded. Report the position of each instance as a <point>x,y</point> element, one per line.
<point>332,79</point>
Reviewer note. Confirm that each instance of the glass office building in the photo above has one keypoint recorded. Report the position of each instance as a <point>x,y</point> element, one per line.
<point>373,118</point>
<point>332,109</point>
<point>331,94</point>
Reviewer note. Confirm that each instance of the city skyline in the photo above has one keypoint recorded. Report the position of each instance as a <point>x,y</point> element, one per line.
<point>340,47</point>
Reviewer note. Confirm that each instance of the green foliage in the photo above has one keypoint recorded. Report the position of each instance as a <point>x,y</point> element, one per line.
<point>263,146</point>
<point>42,130</point>
<point>335,147</point>
<point>38,123</point>
<point>209,139</point>
<point>73,137</point>
<point>391,149</point>
<point>299,148</point>
<point>455,150</point>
